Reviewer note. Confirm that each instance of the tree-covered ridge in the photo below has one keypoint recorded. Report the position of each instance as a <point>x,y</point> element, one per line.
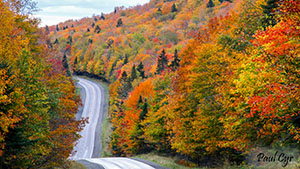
<point>203,79</point>
<point>109,43</point>
<point>37,100</point>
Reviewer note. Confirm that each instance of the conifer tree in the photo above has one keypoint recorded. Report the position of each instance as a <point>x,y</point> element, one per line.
<point>126,85</point>
<point>269,11</point>
<point>56,41</point>
<point>69,40</point>
<point>141,70</point>
<point>210,4</point>
<point>57,28</point>
<point>133,73</point>
<point>47,29</point>
<point>125,59</point>
<point>162,62</point>
<point>102,16</point>
<point>174,9</point>
<point>175,63</point>
<point>75,61</point>
<point>97,29</point>
<point>66,65</point>
<point>119,23</point>
<point>140,102</point>
<point>144,111</point>
<point>159,10</point>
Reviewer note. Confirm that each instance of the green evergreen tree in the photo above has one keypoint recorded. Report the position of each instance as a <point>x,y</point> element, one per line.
<point>133,73</point>
<point>75,61</point>
<point>47,29</point>
<point>126,85</point>
<point>159,10</point>
<point>269,11</point>
<point>102,16</point>
<point>210,4</point>
<point>175,63</point>
<point>57,28</point>
<point>56,41</point>
<point>93,25</point>
<point>140,101</point>
<point>174,9</point>
<point>69,40</point>
<point>66,65</point>
<point>125,59</point>
<point>97,29</point>
<point>144,111</point>
<point>162,62</point>
<point>88,30</point>
<point>119,23</point>
<point>141,70</point>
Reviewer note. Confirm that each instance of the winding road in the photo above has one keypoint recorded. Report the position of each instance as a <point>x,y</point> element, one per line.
<point>89,147</point>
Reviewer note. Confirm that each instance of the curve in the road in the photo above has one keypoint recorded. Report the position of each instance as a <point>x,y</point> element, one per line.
<point>83,152</point>
<point>91,110</point>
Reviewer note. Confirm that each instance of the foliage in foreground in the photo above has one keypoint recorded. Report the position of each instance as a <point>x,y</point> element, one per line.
<point>37,99</point>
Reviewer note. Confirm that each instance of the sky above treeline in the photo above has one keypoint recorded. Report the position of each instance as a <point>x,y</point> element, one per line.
<point>51,12</point>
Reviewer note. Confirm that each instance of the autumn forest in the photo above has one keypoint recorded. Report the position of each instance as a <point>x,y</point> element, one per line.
<point>205,80</point>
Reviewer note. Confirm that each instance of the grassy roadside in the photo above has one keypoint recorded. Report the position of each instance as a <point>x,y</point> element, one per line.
<point>76,165</point>
<point>106,133</point>
<point>169,162</point>
<point>172,162</point>
<point>73,165</point>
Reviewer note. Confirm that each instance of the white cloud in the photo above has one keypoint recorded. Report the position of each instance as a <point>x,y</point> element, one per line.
<point>68,10</point>
<point>53,20</point>
<point>55,11</point>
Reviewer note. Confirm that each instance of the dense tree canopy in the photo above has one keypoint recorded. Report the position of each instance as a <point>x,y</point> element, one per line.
<point>37,100</point>
<point>209,79</point>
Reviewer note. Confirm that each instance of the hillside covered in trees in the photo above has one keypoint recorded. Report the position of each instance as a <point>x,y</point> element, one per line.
<point>38,102</point>
<point>207,80</point>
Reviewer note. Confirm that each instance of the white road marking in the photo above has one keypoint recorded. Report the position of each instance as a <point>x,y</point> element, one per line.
<point>119,163</point>
<point>85,145</point>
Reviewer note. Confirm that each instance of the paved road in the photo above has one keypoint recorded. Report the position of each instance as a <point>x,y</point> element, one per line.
<point>92,111</point>
<point>88,147</point>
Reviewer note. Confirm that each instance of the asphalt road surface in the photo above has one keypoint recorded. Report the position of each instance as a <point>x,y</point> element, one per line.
<point>88,148</point>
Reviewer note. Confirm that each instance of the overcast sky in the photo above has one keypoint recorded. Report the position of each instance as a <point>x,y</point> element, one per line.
<point>54,11</point>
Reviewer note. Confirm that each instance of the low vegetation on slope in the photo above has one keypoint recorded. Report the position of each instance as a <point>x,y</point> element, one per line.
<point>205,80</point>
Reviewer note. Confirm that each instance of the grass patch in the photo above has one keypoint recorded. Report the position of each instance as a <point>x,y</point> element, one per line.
<point>169,162</point>
<point>177,163</point>
<point>106,133</point>
<point>76,165</point>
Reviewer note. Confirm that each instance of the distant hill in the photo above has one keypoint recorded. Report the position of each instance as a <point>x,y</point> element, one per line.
<point>105,45</point>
